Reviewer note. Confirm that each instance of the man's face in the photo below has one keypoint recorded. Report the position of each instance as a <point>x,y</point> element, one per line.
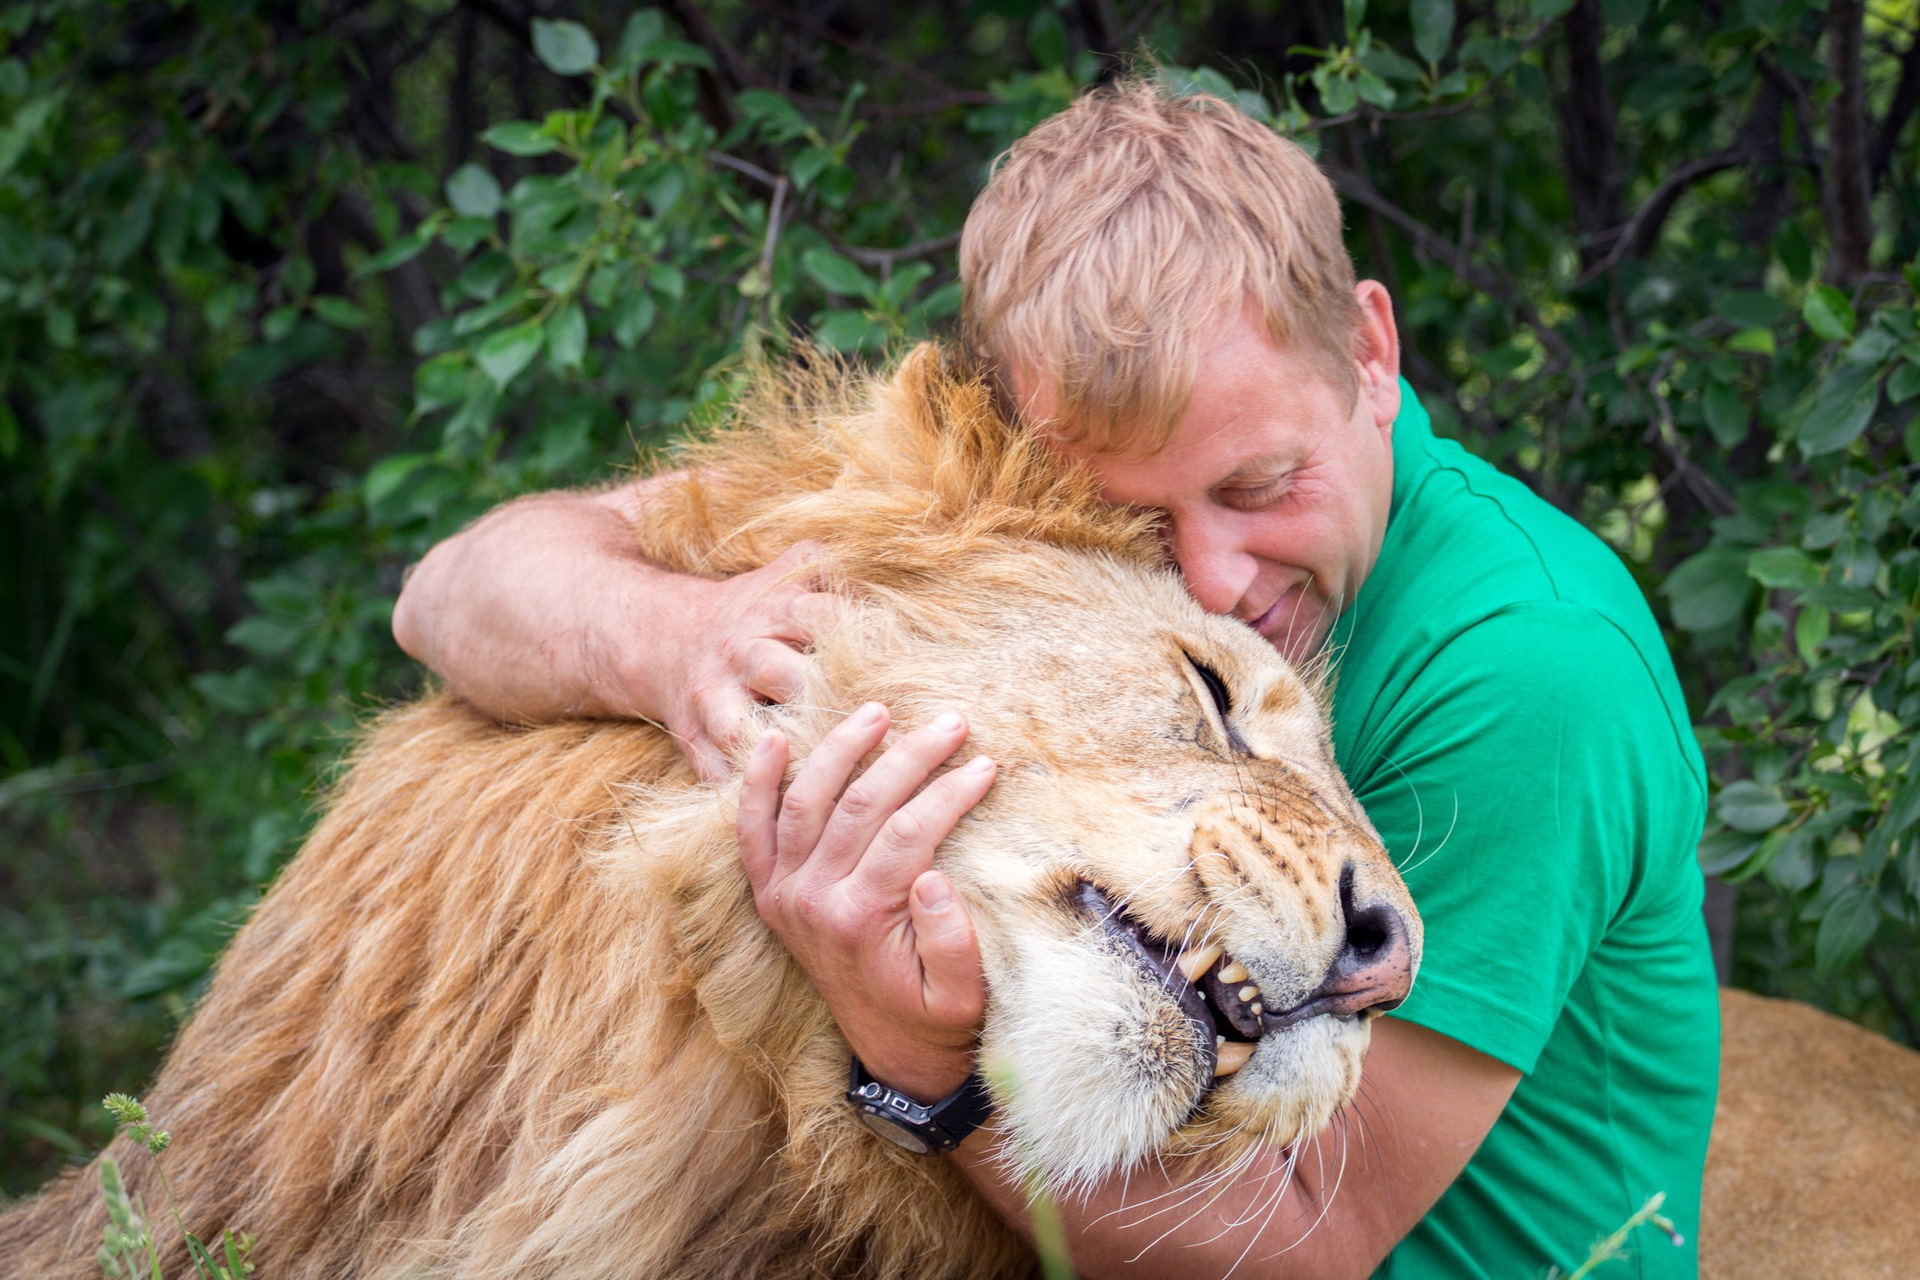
<point>1276,489</point>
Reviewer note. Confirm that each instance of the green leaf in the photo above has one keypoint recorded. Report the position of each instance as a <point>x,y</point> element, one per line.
<point>1783,567</point>
<point>1750,308</point>
<point>1047,38</point>
<point>340,313</point>
<point>388,474</point>
<point>1903,384</point>
<point>1846,928</point>
<point>1747,806</point>
<point>1544,10</point>
<point>405,249</point>
<point>1708,589</point>
<point>632,317</point>
<point>1841,411</point>
<point>473,191</point>
<point>1722,851</point>
<point>1828,313</point>
<point>1337,95</point>
<point>567,48</point>
<point>1373,90</point>
<point>519,138</point>
<point>642,29</point>
<point>836,274</point>
<point>567,337</point>
<point>1757,341</point>
<point>503,355</point>
<point>777,119</point>
<point>668,280</point>
<point>1904,810</point>
<point>1810,631</point>
<point>1432,28</point>
<point>441,381</point>
<point>807,164</point>
<point>676,53</point>
<point>1726,413</point>
<point>848,331</point>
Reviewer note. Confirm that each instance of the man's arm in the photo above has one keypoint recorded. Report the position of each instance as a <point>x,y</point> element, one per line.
<point>840,870</point>
<point>1355,1189</point>
<point>544,609</point>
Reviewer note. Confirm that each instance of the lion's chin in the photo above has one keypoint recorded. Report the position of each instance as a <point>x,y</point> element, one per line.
<point>1102,1056</point>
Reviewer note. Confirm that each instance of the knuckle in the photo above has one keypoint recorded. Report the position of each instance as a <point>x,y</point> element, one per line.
<point>909,829</point>
<point>859,803</point>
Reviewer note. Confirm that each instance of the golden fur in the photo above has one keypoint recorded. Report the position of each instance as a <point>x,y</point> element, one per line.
<point>511,1011</point>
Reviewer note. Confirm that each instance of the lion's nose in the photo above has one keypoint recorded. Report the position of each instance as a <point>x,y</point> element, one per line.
<point>1374,969</point>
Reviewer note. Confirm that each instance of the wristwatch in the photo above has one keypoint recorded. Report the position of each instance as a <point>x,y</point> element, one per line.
<point>917,1127</point>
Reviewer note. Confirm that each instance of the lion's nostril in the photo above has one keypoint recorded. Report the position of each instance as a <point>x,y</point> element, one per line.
<point>1374,967</point>
<point>1368,928</point>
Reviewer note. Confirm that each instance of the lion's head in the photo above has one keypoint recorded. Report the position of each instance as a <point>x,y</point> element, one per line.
<point>1187,921</point>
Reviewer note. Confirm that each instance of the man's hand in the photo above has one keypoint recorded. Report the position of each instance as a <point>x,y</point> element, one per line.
<point>841,872</point>
<point>542,609</point>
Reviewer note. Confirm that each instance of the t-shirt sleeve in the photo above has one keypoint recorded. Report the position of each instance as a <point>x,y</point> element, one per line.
<point>1513,793</point>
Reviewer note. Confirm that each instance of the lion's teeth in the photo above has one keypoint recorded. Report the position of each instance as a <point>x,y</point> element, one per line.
<point>1249,991</point>
<point>1233,971</point>
<point>1198,961</point>
<point>1229,1058</point>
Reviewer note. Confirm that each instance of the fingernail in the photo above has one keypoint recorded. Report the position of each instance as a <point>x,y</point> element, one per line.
<point>979,764</point>
<point>764,747</point>
<point>869,714</point>
<point>935,893</point>
<point>946,722</point>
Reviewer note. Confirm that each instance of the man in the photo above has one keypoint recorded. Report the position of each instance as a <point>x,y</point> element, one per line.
<point>1160,285</point>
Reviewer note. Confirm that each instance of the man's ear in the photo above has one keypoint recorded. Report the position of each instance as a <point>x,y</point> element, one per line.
<point>1377,352</point>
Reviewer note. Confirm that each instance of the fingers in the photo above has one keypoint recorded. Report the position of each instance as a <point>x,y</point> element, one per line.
<point>759,809</point>
<point>815,791</point>
<point>879,798</point>
<point>772,669</point>
<point>902,850</point>
<point>952,986</point>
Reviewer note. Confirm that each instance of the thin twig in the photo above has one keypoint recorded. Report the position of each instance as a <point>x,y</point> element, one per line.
<point>1431,242</point>
<point>773,225</point>
<point>883,259</point>
<point>1633,237</point>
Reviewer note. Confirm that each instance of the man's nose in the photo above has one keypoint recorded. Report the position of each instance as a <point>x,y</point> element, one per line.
<point>1217,571</point>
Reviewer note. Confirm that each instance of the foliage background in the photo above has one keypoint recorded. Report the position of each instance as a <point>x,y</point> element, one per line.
<point>290,290</point>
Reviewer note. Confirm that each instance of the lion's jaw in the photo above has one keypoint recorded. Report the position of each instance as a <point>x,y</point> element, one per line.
<point>1131,824</point>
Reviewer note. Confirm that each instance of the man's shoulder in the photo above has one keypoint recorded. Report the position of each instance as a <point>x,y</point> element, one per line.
<point>1493,543</point>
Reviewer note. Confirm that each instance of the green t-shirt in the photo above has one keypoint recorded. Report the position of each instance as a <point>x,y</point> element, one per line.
<point>1506,711</point>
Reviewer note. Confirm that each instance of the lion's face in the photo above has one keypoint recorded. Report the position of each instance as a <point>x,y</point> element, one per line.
<point>1186,919</point>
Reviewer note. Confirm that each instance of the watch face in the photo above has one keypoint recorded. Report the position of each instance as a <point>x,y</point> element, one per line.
<point>894,1133</point>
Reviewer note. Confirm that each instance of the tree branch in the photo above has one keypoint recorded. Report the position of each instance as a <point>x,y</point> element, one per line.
<point>1430,242</point>
<point>1633,238</point>
<point>1906,97</point>
<point>1848,191</point>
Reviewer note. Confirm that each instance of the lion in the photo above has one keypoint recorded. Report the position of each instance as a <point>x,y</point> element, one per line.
<point>511,1011</point>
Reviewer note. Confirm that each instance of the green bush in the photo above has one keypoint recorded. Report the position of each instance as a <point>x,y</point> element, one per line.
<point>289,292</point>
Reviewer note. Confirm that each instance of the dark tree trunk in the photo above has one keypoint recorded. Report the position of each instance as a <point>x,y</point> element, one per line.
<point>1848,192</point>
<point>1586,124</point>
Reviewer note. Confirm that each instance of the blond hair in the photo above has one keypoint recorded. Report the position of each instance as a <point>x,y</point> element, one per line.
<point>1116,235</point>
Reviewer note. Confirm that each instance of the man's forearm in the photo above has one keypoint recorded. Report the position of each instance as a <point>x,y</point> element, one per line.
<point>512,611</point>
<point>1265,1221</point>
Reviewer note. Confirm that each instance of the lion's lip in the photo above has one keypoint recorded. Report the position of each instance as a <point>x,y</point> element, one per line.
<point>1225,1004</point>
<point>1162,960</point>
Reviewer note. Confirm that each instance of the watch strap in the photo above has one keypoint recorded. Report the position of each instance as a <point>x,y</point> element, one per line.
<point>943,1125</point>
